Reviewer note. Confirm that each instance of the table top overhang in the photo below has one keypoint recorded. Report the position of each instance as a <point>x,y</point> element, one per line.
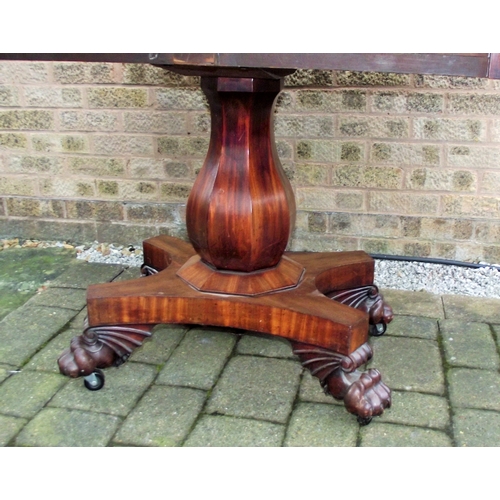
<point>482,65</point>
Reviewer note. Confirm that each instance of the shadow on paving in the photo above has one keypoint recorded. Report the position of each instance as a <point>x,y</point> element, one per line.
<point>199,386</point>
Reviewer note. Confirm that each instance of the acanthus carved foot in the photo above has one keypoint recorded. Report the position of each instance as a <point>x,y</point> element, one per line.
<point>100,347</point>
<point>364,394</point>
<point>370,300</point>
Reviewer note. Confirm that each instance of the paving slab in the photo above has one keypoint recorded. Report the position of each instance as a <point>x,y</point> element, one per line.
<point>413,326</point>
<point>265,345</point>
<point>409,364</point>
<point>476,428</point>
<point>24,270</point>
<point>9,428</point>
<point>469,344</point>
<point>163,417</point>
<point>472,388</point>
<point>158,348</point>
<point>392,435</point>
<point>313,424</point>
<point>222,431</point>
<point>416,409</point>
<point>25,330</point>
<point>199,358</point>
<point>472,309</point>
<point>6,371</point>
<point>25,393</point>
<point>46,359</point>
<point>311,391</point>
<point>122,389</point>
<point>67,298</point>
<point>408,303</point>
<point>81,274</point>
<point>255,387</point>
<point>69,428</point>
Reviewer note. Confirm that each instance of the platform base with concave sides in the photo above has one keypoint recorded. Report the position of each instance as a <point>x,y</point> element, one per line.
<point>325,313</point>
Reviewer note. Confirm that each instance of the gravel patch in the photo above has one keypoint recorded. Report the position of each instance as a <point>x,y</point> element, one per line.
<point>396,274</point>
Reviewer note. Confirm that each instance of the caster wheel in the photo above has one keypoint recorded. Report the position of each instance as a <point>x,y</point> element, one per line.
<point>378,329</point>
<point>364,420</point>
<point>94,381</point>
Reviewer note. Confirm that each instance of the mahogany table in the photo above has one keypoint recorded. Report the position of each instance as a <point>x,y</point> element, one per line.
<point>240,214</point>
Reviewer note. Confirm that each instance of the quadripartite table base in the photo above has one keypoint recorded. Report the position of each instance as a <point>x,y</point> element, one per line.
<point>327,316</point>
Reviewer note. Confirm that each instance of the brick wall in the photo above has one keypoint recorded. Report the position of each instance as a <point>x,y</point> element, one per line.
<point>399,164</point>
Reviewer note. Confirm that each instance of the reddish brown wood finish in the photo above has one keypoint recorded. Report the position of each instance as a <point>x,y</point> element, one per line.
<point>241,209</point>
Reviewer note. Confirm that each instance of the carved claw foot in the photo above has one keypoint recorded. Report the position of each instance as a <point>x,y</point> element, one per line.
<point>100,347</point>
<point>364,394</point>
<point>370,300</point>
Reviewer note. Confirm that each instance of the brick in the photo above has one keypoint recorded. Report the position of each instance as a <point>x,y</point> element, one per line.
<point>328,199</point>
<point>356,176</point>
<point>53,97</point>
<point>492,254</point>
<point>407,154</point>
<point>239,391</point>
<point>366,78</point>
<point>181,99</point>
<point>80,73</point>
<point>403,102</point>
<point>311,175</point>
<point>183,146</point>
<point>313,424</point>
<point>487,231</point>
<point>134,190</point>
<point>35,165</point>
<point>221,431</point>
<point>484,104</point>
<point>111,145</point>
<point>24,72</point>
<point>200,123</point>
<point>65,188</point>
<point>22,186</point>
<point>60,143</point>
<point>163,417</point>
<point>436,228</point>
<point>99,167</point>
<point>472,388</point>
<point>89,121</point>
<point>68,428</point>
<point>391,435</point>
<point>145,74</point>
<point>124,234</point>
<point>490,182</point>
<point>417,249</point>
<point>9,428</point>
<point>444,129</point>
<point>310,77</point>
<point>409,364</point>
<point>413,408</point>
<point>476,428</point>
<point>428,179</point>
<point>330,100</point>
<point>151,213</point>
<point>27,392</point>
<point>165,122</point>
<point>474,157</point>
<point>199,359</point>
<point>117,97</point>
<point>373,127</point>
<point>123,388</point>
<point>147,168</point>
<point>469,344</point>
<point>94,210</point>
<point>13,141</point>
<point>9,95</point>
<point>26,120</point>
<point>471,206</point>
<point>300,126</point>
<point>317,222</point>
<point>318,150</point>
<point>450,82</point>
<point>174,191</point>
<point>403,203</point>
<point>28,207</point>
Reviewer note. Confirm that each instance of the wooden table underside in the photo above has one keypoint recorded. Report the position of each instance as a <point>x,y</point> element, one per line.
<point>240,214</point>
